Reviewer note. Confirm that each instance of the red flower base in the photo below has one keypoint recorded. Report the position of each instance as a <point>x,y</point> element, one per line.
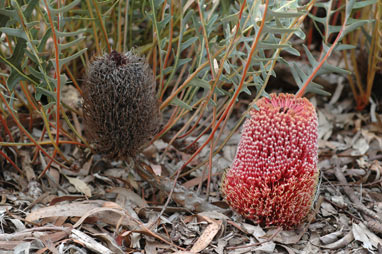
<point>274,175</point>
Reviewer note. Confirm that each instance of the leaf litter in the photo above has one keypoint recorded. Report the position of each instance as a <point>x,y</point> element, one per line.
<point>116,207</point>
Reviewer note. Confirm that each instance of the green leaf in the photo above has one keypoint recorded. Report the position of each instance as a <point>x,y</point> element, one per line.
<point>14,32</point>
<point>281,14</point>
<point>317,19</point>
<point>200,83</point>
<point>292,51</point>
<point>67,34</point>
<point>354,24</point>
<point>183,61</point>
<point>63,80</point>
<point>176,101</point>
<point>363,3</point>
<point>64,8</point>
<point>163,23</point>
<point>13,79</point>
<point>157,4</point>
<point>18,53</point>
<point>32,24</point>
<point>10,14</point>
<point>62,46</point>
<point>42,91</point>
<point>168,70</point>
<point>327,68</point>
<point>245,89</point>
<point>340,47</point>
<point>266,45</point>
<point>65,60</point>
<point>32,57</point>
<point>197,82</point>
<point>35,73</point>
<point>295,75</point>
<point>279,30</point>
<point>317,89</point>
<point>349,8</point>
<point>300,34</point>
<point>44,39</point>
<point>210,26</point>
<point>31,5</point>
<point>188,43</point>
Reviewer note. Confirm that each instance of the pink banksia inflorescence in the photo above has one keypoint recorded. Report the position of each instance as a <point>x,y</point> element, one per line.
<point>274,175</point>
<point>120,106</point>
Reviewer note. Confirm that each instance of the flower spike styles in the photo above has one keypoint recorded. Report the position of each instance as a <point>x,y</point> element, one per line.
<point>121,110</point>
<point>274,175</point>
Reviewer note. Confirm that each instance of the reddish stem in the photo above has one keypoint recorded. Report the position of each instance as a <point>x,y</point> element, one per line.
<point>58,88</point>
<point>6,128</point>
<point>10,161</point>
<point>206,40</point>
<point>24,130</point>
<point>300,92</point>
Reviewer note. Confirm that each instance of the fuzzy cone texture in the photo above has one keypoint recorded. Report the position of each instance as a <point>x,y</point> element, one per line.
<point>120,107</point>
<point>274,175</point>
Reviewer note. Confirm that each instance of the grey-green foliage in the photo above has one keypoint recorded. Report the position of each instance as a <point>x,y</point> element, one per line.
<point>282,20</point>
<point>220,25</point>
<point>26,23</point>
<point>348,25</point>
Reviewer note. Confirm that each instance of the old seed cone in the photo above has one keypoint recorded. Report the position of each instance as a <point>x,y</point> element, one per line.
<point>274,175</point>
<point>120,107</point>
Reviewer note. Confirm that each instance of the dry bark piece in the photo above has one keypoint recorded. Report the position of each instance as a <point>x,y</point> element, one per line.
<point>89,242</point>
<point>120,107</point>
<point>206,237</point>
<point>274,174</point>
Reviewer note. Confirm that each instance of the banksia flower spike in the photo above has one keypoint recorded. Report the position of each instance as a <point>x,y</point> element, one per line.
<point>120,107</point>
<point>274,175</point>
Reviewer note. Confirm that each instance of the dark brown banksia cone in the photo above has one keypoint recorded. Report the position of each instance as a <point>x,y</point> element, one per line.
<point>274,175</point>
<point>120,107</point>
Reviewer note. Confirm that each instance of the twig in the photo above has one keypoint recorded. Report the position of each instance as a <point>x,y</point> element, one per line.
<point>375,226</point>
<point>36,201</point>
<point>278,230</point>
<point>362,208</point>
<point>357,204</point>
<point>181,195</point>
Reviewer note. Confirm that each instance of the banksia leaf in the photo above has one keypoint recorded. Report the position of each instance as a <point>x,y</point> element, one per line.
<point>274,175</point>
<point>120,107</point>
